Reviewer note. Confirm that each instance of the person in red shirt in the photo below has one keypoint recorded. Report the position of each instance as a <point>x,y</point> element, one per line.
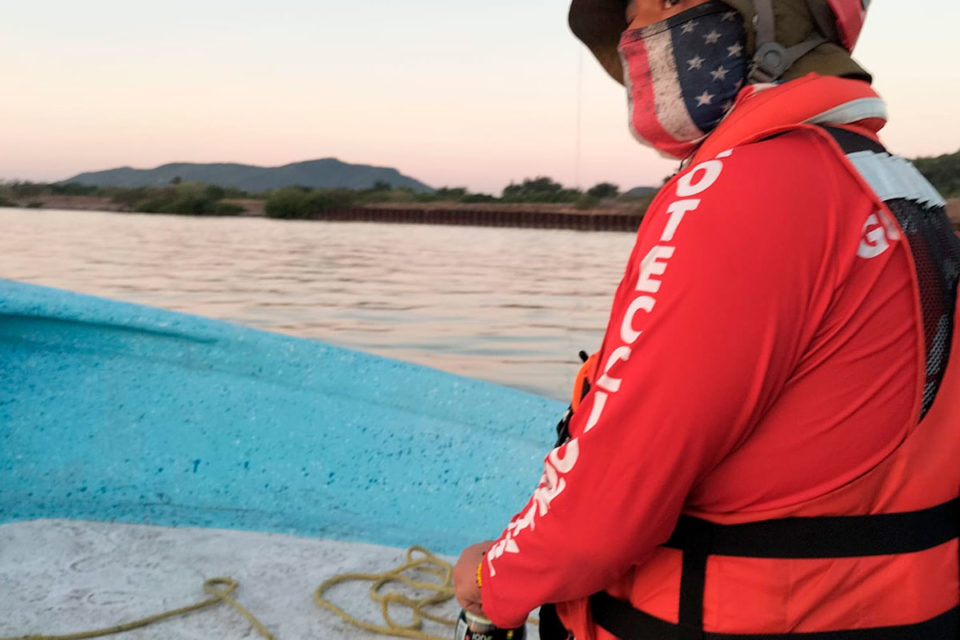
<point>783,330</point>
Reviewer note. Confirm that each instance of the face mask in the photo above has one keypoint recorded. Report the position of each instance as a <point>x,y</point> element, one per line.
<point>683,75</point>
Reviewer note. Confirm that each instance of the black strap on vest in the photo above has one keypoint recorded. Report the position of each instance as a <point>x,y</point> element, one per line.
<point>822,537</point>
<point>627,623</point>
<point>550,627</point>
<point>851,142</point>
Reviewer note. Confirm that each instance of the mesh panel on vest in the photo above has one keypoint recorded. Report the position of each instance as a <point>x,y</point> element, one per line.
<point>919,210</point>
<point>936,255</point>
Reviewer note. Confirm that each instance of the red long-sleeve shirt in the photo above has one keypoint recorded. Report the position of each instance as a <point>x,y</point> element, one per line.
<point>761,350</point>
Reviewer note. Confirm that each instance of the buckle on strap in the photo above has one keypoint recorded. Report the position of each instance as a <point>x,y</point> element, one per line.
<point>770,62</point>
<point>772,59</point>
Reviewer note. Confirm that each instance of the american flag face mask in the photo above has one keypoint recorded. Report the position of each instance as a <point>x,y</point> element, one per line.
<point>683,76</point>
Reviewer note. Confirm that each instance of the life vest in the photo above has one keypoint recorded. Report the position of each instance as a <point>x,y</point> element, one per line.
<point>876,559</point>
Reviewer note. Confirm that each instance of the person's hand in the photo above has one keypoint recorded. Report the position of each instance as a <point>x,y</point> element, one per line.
<point>465,577</point>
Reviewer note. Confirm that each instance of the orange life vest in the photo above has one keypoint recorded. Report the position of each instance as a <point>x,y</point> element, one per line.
<point>876,559</point>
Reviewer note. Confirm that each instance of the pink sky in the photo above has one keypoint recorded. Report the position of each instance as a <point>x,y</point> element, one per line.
<point>474,95</point>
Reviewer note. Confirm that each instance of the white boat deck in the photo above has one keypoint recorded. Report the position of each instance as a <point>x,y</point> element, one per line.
<point>66,576</point>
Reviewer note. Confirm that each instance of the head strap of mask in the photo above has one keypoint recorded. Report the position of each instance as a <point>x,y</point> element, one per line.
<point>771,59</point>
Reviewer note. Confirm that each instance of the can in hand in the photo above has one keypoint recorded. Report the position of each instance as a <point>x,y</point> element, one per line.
<point>473,627</point>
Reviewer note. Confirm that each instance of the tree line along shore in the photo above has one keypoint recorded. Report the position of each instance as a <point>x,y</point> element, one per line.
<point>296,202</point>
<point>537,201</point>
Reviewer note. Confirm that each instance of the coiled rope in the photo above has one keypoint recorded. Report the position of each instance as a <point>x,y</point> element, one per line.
<point>418,560</point>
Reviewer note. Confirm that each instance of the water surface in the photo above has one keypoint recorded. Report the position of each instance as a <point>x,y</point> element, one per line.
<point>511,306</point>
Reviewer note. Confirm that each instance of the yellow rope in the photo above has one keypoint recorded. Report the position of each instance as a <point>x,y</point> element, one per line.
<point>218,588</point>
<point>418,560</point>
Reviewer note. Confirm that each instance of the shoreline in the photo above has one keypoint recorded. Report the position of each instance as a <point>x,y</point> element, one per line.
<point>617,216</point>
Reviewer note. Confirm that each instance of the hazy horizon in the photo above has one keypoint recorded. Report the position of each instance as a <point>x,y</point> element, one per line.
<point>474,95</point>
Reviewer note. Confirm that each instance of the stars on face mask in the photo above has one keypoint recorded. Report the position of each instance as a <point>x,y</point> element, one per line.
<point>708,57</point>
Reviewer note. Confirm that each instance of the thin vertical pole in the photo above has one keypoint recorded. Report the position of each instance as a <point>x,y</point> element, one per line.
<point>579,115</point>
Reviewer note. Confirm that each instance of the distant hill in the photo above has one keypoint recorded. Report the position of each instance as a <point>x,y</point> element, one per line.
<point>327,173</point>
<point>943,171</point>
<point>642,192</point>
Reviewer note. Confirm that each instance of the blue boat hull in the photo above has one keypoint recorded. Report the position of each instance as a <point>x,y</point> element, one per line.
<point>117,412</point>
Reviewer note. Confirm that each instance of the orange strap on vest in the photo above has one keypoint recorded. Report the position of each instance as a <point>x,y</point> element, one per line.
<point>581,387</point>
<point>587,373</point>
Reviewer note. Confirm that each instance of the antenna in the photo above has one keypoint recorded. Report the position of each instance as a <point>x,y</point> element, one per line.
<point>579,133</point>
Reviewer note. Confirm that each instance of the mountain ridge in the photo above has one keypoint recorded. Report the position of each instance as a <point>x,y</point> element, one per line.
<point>320,173</point>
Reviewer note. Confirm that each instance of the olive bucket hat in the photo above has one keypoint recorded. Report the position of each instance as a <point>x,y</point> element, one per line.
<point>786,38</point>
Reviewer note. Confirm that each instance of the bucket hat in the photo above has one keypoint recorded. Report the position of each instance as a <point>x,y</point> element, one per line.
<point>779,34</point>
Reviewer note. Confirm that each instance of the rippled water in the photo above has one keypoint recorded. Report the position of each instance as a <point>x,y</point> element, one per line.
<point>511,306</point>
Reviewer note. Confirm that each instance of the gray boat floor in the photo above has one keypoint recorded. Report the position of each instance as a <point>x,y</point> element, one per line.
<point>66,576</point>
